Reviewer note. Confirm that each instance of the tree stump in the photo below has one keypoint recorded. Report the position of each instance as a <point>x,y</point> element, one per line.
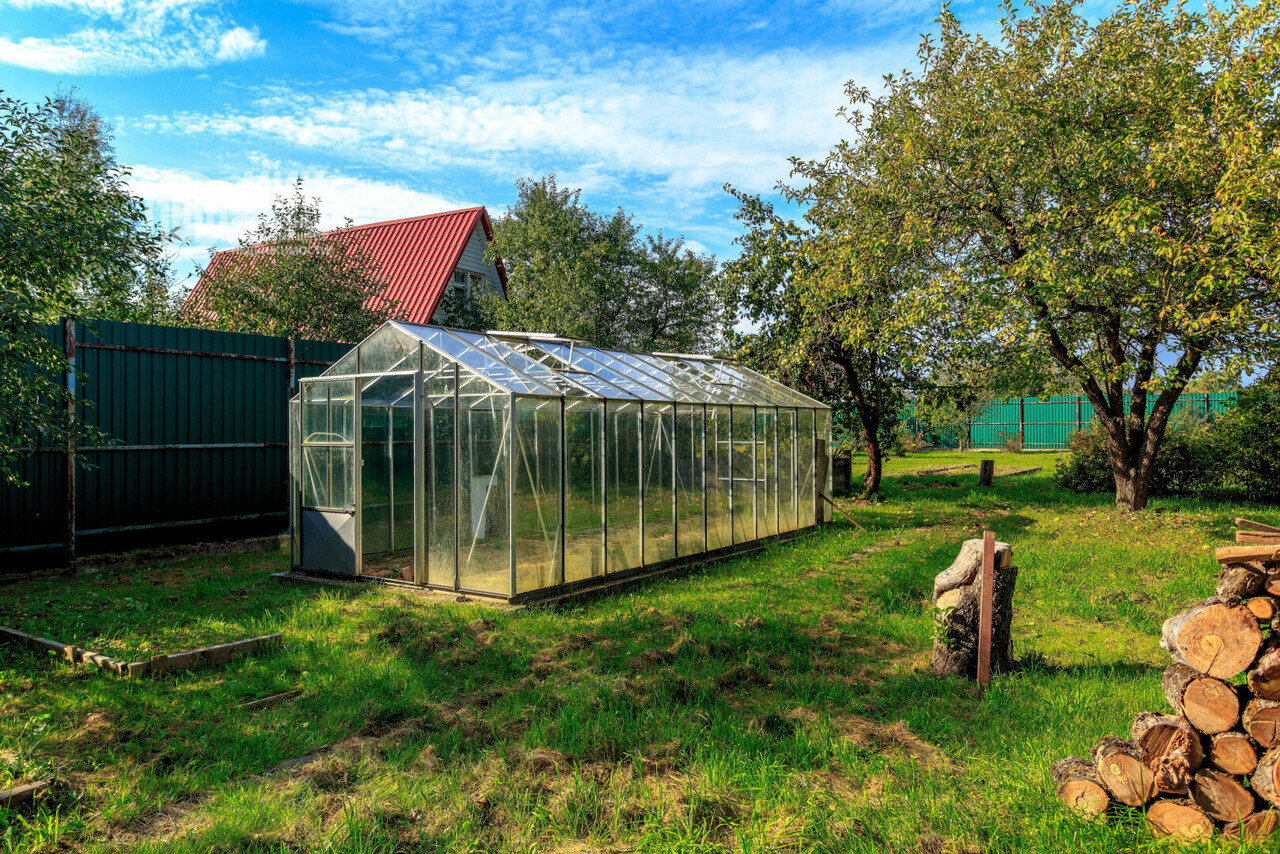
<point>957,599</point>
<point>986,472</point>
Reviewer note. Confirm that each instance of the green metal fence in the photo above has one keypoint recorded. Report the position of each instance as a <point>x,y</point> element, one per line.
<point>199,442</point>
<point>1047,424</point>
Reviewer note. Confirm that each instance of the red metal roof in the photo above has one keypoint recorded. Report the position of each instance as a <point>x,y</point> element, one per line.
<point>416,256</point>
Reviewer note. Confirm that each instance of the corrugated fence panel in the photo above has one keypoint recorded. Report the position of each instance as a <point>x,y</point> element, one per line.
<point>197,421</point>
<point>1047,424</point>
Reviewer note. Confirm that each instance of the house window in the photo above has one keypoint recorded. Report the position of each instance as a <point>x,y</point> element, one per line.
<point>465,284</point>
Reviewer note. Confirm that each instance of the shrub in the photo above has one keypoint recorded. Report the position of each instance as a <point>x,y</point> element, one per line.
<point>1246,442</point>
<point>1011,443</point>
<point>1189,460</point>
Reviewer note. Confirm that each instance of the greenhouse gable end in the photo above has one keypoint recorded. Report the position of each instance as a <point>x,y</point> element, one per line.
<point>516,465</point>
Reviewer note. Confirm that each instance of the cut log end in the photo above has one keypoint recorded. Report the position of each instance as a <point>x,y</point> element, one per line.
<point>1234,753</point>
<point>1221,796</point>
<point>1261,720</point>
<point>1121,772</point>
<point>1255,828</point>
<point>1219,640</point>
<point>1209,704</point>
<point>1180,819</point>
<point>1079,788</point>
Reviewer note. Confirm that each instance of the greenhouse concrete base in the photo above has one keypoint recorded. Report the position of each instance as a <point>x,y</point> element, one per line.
<point>572,590</point>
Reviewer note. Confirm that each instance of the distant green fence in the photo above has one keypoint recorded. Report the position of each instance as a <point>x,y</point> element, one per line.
<point>1047,424</point>
<point>199,428</point>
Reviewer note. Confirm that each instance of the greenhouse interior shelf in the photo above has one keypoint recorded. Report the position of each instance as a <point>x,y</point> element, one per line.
<point>521,466</point>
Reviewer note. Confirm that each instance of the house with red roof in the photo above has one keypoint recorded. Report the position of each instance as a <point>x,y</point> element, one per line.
<point>422,259</point>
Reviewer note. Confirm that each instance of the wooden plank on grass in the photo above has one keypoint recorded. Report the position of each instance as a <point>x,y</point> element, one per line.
<point>1257,526</point>
<point>1244,554</point>
<point>274,699</point>
<point>207,655</point>
<point>1257,537</point>
<point>22,794</point>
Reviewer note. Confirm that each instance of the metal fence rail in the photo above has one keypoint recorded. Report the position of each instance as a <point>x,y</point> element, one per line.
<point>198,441</point>
<point>1047,424</point>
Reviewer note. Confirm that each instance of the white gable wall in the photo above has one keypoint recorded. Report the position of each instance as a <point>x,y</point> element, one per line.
<point>472,261</point>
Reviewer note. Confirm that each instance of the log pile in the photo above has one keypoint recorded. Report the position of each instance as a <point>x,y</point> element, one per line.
<point>1212,765</point>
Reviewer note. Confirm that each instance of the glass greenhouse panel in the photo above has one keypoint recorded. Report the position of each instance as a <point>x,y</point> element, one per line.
<point>689,460</point>
<point>537,493</point>
<point>386,475</point>
<point>622,494</point>
<point>719,479</point>
<point>804,466</point>
<point>389,349</point>
<point>659,481</point>
<point>584,490</point>
<point>822,424</point>
<point>483,442</point>
<point>438,418</point>
<point>744,473</point>
<point>787,470</point>
<point>766,472</point>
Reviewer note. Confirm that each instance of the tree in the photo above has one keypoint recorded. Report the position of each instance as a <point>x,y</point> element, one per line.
<point>288,278</point>
<point>835,352</point>
<point>576,273</point>
<point>1104,194</point>
<point>74,243</point>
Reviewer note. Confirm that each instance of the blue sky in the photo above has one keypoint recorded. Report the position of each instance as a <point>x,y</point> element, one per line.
<point>392,108</point>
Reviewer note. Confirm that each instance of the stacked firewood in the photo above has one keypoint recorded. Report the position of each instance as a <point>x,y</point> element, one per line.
<point>1214,763</point>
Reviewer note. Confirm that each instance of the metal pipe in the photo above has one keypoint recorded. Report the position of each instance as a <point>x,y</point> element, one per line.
<point>89,345</point>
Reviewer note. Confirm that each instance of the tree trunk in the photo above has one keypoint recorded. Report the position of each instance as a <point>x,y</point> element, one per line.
<point>875,461</point>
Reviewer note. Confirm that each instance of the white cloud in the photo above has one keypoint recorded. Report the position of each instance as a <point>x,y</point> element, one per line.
<point>691,122</point>
<point>218,211</point>
<point>133,37</point>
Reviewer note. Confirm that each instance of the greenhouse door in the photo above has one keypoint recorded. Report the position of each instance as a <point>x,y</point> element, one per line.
<point>386,476</point>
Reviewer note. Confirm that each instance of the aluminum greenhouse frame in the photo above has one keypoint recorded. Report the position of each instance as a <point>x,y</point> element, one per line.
<point>517,465</point>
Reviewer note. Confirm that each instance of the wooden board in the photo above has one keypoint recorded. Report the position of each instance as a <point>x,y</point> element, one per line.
<point>1243,554</point>
<point>1257,537</point>
<point>1256,526</point>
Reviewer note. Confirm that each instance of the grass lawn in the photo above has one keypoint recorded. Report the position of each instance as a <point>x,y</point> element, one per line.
<point>779,701</point>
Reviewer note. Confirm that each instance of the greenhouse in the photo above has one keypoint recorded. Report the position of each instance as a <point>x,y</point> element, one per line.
<point>518,465</point>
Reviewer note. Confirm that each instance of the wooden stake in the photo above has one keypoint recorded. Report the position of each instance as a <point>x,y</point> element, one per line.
<point>841,512</point>
<point>984,618</point>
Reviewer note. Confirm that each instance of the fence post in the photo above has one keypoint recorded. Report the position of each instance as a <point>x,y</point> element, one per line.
<point>1079,416</point>
<point>1206,404</point>
<point>291,369</point>
<point>72,388</point>
<point>1022,421</point>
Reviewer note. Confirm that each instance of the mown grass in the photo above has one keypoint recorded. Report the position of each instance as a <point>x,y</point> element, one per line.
<point>775,702</point>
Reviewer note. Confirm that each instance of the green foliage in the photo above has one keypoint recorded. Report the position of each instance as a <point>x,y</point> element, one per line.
<point>74,243</point>
<point>574,272</point>
<point>288,278</point>
<point>845,353</point>
<point>1098,194</point>
<point>1196,457</point>
<point>1247,440</point>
